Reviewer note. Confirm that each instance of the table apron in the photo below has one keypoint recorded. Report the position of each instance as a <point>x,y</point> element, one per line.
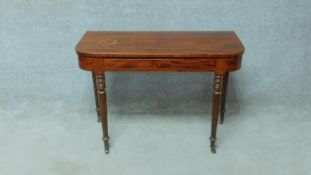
<point>160,65</point>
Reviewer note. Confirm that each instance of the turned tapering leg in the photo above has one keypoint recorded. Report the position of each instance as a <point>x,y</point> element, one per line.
<point>215,112</point>
<point>96,98</point>
<point>223,98</point>
<point>101,94</point>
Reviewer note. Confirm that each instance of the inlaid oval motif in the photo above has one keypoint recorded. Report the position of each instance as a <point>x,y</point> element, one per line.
<point>108,42</point>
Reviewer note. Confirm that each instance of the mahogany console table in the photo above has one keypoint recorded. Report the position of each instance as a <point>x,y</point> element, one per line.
<point>218,52</point>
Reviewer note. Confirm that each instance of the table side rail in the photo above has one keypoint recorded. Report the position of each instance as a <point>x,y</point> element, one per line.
<point>160,65</point>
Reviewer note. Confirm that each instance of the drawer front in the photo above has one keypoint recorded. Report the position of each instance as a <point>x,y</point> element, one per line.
<point>203,65</point>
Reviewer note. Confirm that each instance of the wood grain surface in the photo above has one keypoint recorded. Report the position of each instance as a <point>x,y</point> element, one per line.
<point>160,44</point>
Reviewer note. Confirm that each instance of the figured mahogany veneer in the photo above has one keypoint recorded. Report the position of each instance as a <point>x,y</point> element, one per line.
<point>160,44</point>
<point>201,51</point>
<point>164,64</point>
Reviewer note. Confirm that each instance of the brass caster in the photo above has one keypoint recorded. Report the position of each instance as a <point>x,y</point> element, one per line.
<point>213,150</point>
<point>106,144</point>
<point>213,147</point>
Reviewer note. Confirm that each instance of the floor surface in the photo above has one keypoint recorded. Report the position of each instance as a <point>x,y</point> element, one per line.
<point>52,140</point>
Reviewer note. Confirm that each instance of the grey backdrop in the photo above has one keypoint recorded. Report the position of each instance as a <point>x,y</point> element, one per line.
<point>38,60</point>
<point>39,72</point>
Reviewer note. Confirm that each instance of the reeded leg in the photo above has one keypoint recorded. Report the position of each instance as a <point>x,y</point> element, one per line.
<point>223,98</point>
<point>101,94</point>
<point>215,112</point>
<point>96,98</point>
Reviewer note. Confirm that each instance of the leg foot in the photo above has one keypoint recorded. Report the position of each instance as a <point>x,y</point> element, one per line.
<point>213,146</point>
<point>221,120</point>
<point>213,150</point>
<point>106,144</point>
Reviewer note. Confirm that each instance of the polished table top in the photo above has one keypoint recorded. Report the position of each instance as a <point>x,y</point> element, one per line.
<point>160,44</point>
<point>218,52</point>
